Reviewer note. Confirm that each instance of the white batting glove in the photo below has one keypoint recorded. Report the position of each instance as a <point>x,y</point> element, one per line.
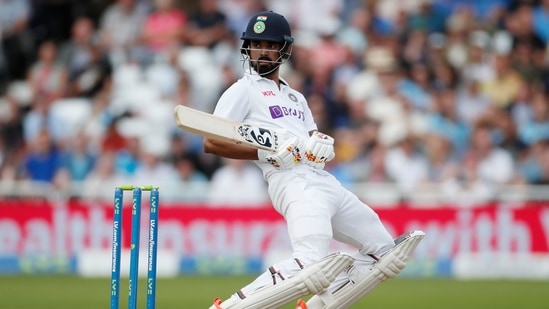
<point>289,151</point>
<point>319,150</point>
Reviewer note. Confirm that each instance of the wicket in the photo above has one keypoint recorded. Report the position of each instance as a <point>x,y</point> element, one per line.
<point>134,246</point>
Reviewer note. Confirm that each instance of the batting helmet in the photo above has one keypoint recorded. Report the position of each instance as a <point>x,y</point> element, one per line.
<point>267,26</point>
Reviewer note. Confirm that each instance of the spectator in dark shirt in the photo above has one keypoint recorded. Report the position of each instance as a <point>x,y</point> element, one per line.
<point>207,26</point>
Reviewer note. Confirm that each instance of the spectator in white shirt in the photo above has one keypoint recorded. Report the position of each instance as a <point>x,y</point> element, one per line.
<point>406,166</point>
<point>238,183</point>
<point>495,164</point>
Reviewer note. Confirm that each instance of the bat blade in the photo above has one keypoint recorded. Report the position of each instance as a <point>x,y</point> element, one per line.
<point>218,128</point>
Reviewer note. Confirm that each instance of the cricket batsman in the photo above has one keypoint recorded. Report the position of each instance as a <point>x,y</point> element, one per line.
<point>314,204</point>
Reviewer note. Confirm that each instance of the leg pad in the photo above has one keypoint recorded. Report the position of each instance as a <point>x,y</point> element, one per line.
<point>388,266</point>
<point>312,279</point>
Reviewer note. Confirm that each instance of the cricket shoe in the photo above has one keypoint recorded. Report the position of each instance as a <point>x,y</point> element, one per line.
<point>301,304</point>
<point>217,303</point>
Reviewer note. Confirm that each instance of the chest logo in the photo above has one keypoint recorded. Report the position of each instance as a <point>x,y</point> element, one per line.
<point>292,97</point>
<point>283,111</point>
<point>268,93</point>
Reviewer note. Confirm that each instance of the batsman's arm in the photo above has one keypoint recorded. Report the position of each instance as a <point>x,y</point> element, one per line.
<point>229,150</point>
<point>286,156</point>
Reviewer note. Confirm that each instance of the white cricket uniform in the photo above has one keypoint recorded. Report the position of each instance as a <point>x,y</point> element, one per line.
<point>314,204</point>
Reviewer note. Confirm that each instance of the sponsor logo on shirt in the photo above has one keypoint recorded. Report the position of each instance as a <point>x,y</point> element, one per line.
<point>278,111</point>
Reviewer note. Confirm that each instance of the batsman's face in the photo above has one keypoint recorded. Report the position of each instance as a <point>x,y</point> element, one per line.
<point>265,56</point>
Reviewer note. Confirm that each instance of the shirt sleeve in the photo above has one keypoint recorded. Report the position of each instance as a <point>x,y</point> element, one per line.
<point>234,103</point>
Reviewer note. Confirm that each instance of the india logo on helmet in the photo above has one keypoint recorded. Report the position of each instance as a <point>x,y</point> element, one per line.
<point>259,25</point>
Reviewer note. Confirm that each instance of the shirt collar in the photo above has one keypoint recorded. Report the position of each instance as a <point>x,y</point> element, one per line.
<point>253,74</point>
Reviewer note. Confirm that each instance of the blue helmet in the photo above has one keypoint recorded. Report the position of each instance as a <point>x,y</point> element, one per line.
<point>267,26</point>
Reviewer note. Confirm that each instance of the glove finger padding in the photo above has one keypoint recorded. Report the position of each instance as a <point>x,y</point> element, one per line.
<point>319,150</point>
<point>287,155</point>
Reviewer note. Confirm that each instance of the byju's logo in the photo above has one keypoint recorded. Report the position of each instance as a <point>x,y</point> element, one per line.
<point>278,112</point>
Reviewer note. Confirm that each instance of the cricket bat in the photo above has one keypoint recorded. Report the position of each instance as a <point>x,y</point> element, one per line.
<point>218,128</point>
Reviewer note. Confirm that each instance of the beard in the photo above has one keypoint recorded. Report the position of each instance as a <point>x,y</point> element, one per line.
<point>264,67</point>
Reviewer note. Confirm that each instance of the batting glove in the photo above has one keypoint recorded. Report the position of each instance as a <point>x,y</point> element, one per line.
<point>288,152</point>
<point>319,150</point>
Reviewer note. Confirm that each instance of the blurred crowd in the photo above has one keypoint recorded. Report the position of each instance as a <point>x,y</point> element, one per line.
<point>453,93</point>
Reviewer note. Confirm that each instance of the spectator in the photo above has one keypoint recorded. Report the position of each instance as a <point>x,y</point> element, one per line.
<point>506,134</point>
<point>544,168</point>
<point>505,86</point>
<point>426,17</point>
<point>120,28</point>
<point>465,187</point>
<point>353,34</point>
<point>238,13</point>
<point>324,118</point>
<point>538,127</point>
<point>11,129</point>
<point>43,160</point>
<point>416,47</point>
<point>416,87</point>
<point>164,29</point>
<point>521,110</point>
<point>443,163</point>
<point>406,166</point>
<point>541,20</point>
<point>495,165</point>
<point>80,50</point>
<point>374,87</point>
<point>227,183</point>
<point>47,77</point>
<point>127,158</point>
<point>471,105</point>
<point>111,139</point>
<point>102,178</point>
<point>16,45</point>
<point>207,26</point>
<point>307,15</point>
<point>191,185</point>
<point>530,164</point>
<point>39,118</point>
<point>377,170</point>
<point>444,120</point>
<point>478,67</point>
<point>187,169</point>
<point>327,52</point>
<point>77,159</point>
<point>352,148</point>
<point>153,169</point>
<point>444,76</point>
<point>457,27</point>
<point>528,59</point>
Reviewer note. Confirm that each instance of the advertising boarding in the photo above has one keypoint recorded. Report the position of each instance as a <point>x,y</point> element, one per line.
<point>493,240</point>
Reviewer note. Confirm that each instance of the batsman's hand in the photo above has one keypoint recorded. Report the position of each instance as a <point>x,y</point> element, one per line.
<point>288,154</point>
<point>319,150</point>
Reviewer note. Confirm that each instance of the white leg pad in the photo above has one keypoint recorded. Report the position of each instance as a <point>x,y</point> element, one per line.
<point>312,279</point>
<point>388,266</point>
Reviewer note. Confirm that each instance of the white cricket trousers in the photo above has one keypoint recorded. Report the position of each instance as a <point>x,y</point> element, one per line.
<point>317,209</point>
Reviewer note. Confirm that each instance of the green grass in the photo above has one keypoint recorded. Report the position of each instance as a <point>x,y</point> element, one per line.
<point>26,292</point>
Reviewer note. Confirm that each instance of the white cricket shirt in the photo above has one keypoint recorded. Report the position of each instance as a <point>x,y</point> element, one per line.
<point>258,101</point>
